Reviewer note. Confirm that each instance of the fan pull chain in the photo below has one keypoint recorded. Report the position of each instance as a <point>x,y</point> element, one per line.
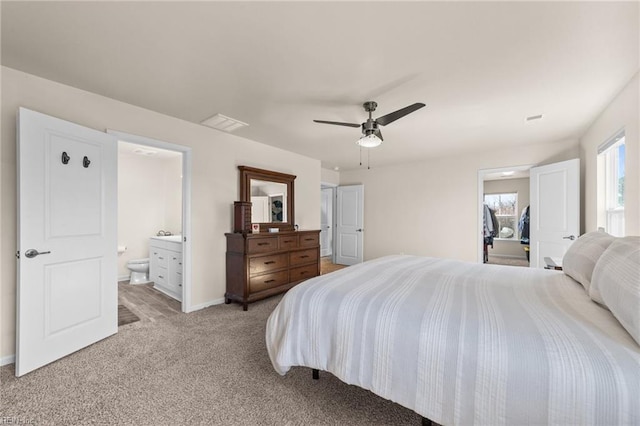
<point>369,160</point>
<point>361,155</point>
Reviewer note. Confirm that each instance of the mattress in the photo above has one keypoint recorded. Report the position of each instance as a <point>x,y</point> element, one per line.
<point>463,343</point>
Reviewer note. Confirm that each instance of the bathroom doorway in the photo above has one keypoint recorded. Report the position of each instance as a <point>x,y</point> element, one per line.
<point>327,195</point>
<point>154,244</point>
<point>503,198</point>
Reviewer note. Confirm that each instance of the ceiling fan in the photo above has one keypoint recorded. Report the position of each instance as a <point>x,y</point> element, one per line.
<point>371,135</point>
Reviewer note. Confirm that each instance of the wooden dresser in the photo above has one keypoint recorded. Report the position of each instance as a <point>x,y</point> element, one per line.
<point>261,265</point>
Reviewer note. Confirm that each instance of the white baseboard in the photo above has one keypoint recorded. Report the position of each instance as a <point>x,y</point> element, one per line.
<point>206,304</point>
<point>6,360</point>
<point>124,278</point>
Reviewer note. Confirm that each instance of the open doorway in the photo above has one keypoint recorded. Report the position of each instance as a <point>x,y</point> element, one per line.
<point>153,228</point>
<point>327,230</point>
<point>342,219</point>
<point>503,199</point>
<point>327,194</point>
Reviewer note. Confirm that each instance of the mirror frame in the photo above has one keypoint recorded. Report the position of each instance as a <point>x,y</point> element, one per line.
<point>248,173</point>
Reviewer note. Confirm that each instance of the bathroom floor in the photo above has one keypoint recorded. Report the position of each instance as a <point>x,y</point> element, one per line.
<point>146,302</point>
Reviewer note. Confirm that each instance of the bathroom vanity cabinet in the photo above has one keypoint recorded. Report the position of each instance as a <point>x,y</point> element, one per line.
<point>261,265</point>
<point>165,265</point>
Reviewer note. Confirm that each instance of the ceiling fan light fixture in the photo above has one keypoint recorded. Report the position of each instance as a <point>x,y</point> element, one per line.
<point>369,141</point>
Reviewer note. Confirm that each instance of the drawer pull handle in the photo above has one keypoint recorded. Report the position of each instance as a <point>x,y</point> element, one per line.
<point>160,257</point>
<point>309,239</point>
<point>180,263</point>
<point>263,244</point>
<point>175,258</point>
<point>304,257</point>
<point>160,276</point>
<point>287,241</point>
<point>269,281</point>
<point>270,262</point>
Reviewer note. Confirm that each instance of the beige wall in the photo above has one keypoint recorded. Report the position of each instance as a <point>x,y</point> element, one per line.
<point>511,248</point>
<point>622,112</point>
<point>430,207</point>
<point>216,156</point>
<point>330,176</point>
<point>149,200</point>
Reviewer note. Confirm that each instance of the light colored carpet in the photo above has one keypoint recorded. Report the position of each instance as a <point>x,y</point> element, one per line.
<point>208,367</point>
<point>508,261</point>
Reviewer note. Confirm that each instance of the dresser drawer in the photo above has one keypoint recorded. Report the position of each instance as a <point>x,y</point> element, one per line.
<point>259,265</point>
<point>266,281</point>
<point>262,245</point>
<point>303,256</point>
<point>287,241</point>
<point>309,240</point>
<point>303,272</point>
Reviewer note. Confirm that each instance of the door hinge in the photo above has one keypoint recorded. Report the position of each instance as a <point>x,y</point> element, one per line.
<point>18,254</point>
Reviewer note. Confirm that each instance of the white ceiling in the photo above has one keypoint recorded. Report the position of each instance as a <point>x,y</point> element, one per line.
<point>128,148</point>
<point>480,67</point>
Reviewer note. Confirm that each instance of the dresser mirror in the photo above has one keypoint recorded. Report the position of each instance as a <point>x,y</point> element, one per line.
<point>271,196</point>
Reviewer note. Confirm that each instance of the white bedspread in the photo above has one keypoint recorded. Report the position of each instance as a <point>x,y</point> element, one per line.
<point>463,343</point>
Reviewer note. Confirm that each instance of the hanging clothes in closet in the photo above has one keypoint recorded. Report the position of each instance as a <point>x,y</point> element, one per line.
<point>523,226</point>
<point>491,227</point>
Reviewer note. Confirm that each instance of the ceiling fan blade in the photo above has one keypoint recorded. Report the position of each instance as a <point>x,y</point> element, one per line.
<point>378,133</point>
<point>337,123</point>
<point>391,117</point>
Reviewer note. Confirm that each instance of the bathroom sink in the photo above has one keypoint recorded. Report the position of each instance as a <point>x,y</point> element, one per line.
<point>174,238</point>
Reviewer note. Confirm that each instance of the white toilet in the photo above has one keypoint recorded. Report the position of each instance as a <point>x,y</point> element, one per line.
<point>139,271</point>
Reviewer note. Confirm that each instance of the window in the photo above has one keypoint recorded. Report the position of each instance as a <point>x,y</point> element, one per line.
<point>506,207</point>
<point>611,171</point>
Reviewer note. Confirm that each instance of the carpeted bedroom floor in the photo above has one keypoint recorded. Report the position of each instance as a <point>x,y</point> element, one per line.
<point>205,368</point>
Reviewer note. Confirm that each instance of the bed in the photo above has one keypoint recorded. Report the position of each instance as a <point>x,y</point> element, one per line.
<point>462,343</point>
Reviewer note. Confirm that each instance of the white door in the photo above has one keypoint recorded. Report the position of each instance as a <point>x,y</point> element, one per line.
<point>326,222</point>
<point>349,224</point>
<point>260,212</point>
<point>67,294</point>
<point>554,210</point>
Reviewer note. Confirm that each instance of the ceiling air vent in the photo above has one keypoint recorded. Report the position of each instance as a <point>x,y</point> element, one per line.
<point>222,122</point>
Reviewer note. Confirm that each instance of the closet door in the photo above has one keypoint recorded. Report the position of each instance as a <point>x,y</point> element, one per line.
<point>349,224</point>
<point>554,210</point>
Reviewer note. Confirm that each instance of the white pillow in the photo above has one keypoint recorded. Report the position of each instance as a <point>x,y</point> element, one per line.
<point>616,283</point>
<point>578,262</point>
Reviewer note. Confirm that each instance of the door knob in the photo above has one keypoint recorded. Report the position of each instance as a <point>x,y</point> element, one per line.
<point>31,253</point>
<point>359,230</point>
<point>570,237</point>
